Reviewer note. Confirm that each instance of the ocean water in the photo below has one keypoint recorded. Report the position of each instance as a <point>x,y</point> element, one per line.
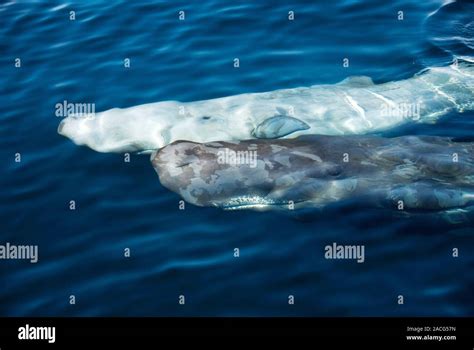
<point>190,252</point>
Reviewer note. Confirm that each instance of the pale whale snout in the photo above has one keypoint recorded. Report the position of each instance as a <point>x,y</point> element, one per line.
<point>66,125</point>
<point>114,132</point>
<point>79,129</point>
<point>60,127</point>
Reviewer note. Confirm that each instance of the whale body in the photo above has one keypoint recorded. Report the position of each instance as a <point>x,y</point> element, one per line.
<point>354,106</point>
<point>409,173</point>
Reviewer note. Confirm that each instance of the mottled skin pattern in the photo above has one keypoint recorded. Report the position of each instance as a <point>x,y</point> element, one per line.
<point>315,170</point>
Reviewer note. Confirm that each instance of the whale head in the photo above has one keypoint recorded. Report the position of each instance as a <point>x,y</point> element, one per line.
<point>145,128</point>
<point>79,129</point>
<point>252,174</point>
<point>117,130</point>
<point>197,173</point>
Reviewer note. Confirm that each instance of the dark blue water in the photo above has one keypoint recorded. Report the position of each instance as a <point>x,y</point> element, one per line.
<point>191,252</point>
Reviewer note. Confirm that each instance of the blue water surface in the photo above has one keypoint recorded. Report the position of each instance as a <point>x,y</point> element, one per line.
<point>190,252</point>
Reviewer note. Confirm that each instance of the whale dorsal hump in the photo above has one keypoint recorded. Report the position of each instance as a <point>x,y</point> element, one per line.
<point>357,81</point>
<point>278,126</point>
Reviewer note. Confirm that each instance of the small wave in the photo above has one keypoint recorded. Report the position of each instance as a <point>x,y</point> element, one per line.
<point>451,28</point>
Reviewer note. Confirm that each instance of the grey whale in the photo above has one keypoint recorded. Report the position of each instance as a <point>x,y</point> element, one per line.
<point>404,173</point>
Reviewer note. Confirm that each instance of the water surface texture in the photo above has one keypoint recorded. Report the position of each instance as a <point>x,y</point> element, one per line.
<point>190,252</point>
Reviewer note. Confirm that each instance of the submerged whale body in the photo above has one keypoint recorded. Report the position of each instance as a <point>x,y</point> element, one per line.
<point>354,106</point>
<point>404,173</point>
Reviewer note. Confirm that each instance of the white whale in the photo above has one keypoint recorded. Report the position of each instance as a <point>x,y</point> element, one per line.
<point>354,106</point>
